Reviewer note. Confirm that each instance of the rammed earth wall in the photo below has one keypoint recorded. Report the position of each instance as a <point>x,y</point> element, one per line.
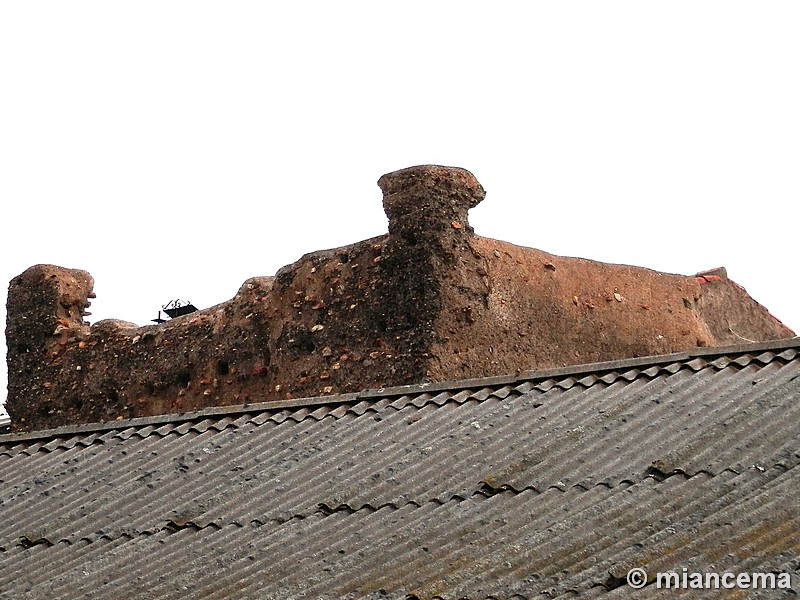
<point>429,301</point>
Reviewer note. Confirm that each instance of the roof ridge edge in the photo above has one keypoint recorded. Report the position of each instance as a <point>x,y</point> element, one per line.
<point>417,388</point>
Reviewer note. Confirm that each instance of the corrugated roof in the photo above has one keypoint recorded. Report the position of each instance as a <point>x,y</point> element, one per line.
<point>551,483</point>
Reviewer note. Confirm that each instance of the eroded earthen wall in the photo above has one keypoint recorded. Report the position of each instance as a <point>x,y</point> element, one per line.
<point>428,301</point>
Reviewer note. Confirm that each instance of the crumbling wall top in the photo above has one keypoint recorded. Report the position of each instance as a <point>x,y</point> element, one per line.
<point>429,197</point>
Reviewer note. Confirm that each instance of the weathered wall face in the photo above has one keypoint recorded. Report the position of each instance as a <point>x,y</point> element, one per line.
<point>527,309</point>
<point>428,301</point>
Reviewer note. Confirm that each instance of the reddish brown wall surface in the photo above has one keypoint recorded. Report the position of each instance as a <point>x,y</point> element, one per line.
<point>428,301</point>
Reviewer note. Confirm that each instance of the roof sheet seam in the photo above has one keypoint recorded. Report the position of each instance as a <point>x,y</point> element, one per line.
<point>486,490</point>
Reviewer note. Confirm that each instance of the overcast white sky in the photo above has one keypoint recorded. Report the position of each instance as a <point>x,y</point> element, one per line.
<point>174,149</point>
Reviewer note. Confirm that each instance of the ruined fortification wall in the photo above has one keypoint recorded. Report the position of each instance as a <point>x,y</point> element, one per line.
<point>428,301</point>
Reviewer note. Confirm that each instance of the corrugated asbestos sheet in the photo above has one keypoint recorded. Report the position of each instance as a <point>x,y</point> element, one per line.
<point>550,485</point>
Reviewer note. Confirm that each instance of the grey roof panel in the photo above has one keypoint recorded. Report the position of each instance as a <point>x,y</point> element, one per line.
<point>556,485</point>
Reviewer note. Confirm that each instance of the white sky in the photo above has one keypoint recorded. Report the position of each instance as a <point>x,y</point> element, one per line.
<point>174,149</point>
